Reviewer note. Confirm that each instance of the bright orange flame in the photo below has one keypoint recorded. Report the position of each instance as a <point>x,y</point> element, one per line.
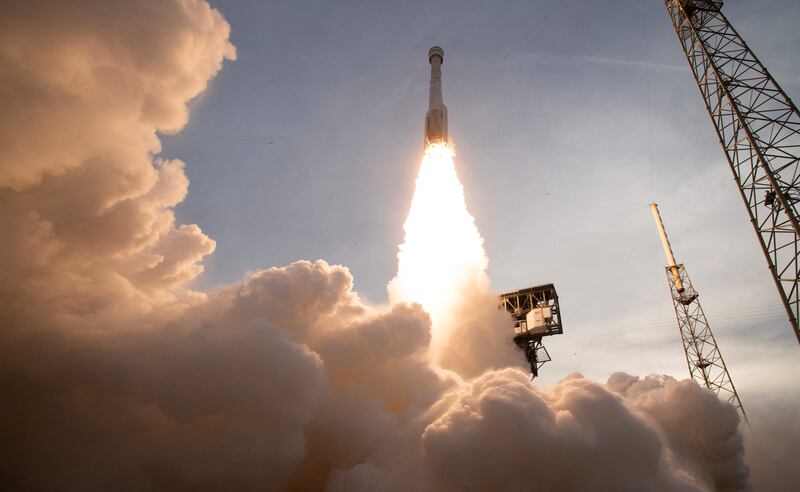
<point>443,250</point>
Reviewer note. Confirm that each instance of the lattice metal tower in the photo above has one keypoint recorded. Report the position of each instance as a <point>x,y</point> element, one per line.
<point>759,129</point>
<point>536,314</point>
<point>706,365</point>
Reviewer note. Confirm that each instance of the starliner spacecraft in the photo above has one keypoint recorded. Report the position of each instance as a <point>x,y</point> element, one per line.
<point>436,117</point>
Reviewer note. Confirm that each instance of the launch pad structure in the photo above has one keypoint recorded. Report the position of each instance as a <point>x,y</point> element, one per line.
<point>536,314</point>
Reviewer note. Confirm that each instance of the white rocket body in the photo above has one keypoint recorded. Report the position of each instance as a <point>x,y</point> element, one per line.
<point>436,117</point>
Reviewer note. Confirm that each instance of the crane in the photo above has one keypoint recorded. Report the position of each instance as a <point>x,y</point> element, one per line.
<point>703,356</point>
<point>758,127</point>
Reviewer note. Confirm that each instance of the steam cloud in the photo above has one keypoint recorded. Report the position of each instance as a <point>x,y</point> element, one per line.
<point>116,376</point>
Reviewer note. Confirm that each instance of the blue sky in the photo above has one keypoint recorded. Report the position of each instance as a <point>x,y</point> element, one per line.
<point>569,117</point>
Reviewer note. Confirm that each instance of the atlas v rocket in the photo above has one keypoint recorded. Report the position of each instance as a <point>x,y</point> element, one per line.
<point>436,117</point>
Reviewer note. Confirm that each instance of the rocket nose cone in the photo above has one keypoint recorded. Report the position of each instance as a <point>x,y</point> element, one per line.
<point>436,51</point>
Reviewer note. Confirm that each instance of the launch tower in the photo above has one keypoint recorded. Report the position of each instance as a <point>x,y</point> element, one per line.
<point>536,314</point>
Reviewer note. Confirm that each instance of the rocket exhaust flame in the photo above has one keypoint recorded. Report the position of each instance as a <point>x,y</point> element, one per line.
<point>443,251</point>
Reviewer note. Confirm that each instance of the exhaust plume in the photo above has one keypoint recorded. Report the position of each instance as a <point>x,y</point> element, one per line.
<point>442,265</point>
<point>443,250</point>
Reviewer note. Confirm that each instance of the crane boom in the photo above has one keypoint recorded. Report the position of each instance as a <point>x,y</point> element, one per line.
<point>758,127</point>
<point>706,365</point>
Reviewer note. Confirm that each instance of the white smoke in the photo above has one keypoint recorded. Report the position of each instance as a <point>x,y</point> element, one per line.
<point>116,376</point>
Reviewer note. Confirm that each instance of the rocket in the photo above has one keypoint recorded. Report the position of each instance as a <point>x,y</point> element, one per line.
<point>436,117</point>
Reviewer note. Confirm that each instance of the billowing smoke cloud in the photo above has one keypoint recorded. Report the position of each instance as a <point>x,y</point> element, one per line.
<point>227,395</point>
<point>579,435</point>
<point>116,376</point>
<point>90,237</point>
<point>239,392</point>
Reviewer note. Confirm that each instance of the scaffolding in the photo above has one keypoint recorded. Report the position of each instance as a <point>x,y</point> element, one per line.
<point>536,314</point>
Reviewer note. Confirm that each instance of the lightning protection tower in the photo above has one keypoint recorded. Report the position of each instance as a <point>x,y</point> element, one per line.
<point>536,314</point>
<point>702,353</point>
<point>759,129</point>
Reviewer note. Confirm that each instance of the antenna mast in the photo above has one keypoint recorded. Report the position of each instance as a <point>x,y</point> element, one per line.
<point>702,353</point>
